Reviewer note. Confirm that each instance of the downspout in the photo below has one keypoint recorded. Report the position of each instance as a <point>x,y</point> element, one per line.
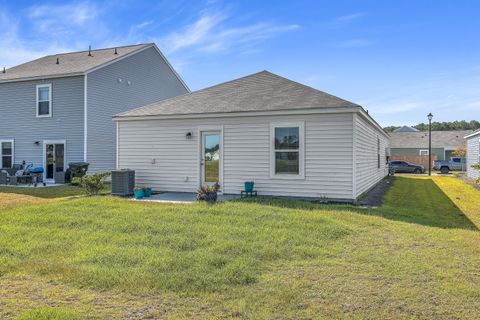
<point>354,158</point>
<point>85,118</point>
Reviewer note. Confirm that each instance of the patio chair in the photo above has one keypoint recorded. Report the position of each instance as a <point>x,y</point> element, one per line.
<point>7,179</point>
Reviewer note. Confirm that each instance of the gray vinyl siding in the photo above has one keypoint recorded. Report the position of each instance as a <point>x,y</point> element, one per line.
<point>246,154</point>
<point>367,173</point>
<point>473,150</point>
<point>19,121</point>
<point>151,80</point>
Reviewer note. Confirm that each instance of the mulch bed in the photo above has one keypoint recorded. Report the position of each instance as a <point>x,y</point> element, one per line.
<point>374,197</point>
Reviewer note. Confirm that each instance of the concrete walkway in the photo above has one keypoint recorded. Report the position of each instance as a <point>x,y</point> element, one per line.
<point>182,197</point>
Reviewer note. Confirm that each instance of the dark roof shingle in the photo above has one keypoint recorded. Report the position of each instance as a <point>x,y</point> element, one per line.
<point>417,140</point>
<point>69,63</point>
<point>263,91</point>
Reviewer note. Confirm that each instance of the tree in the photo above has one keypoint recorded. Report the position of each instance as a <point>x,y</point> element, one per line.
<point>460,152</point>
<point>443,126</point>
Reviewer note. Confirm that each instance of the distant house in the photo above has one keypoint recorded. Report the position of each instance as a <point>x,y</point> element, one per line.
<point>58,109</point>
<point>416,143</point>
<point>473,153</point>
<point>406,129</point>
<point>290,139</point>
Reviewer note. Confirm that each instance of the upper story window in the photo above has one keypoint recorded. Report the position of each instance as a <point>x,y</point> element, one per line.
<point>287,150</point>
<point>6,154</point>
<point>44,100</point>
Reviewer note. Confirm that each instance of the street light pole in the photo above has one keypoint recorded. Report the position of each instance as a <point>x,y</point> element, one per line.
<point>430,116</point>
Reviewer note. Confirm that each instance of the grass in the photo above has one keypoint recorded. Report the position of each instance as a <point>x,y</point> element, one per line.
<point>50,192</point>
<point>106,257</point>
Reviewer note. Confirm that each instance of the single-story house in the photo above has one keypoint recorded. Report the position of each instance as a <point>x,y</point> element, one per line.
<point>290,139</point>
<point>413,143</point>
<point>473,154</point>
<point>58,109</point>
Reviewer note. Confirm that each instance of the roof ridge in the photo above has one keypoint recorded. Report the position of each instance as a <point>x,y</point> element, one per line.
<point>196,91</point>
<point>93,50</point>
<point>310,87</point>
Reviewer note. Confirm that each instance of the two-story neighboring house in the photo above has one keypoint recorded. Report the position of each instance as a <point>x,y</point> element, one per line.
<point>58,109</point>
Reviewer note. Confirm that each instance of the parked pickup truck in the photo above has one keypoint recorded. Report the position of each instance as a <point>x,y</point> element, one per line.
<point>455,164</point>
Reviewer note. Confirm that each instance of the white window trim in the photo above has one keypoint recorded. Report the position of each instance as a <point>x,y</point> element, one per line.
<point>1,154</point>
<point>49,86</point>
<point>301,150</point>
<point>423,150</point>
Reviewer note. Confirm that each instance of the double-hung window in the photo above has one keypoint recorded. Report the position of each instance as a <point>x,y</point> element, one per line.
<point>6,153</point>
<point>287,150</point>
<point>44,100</point>
<point>423,152</point>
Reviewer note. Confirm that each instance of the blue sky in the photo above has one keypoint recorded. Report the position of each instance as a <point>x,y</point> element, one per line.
<point>399,59</point>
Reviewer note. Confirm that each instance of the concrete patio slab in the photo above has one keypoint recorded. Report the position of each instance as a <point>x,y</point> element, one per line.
<point>182,197</point>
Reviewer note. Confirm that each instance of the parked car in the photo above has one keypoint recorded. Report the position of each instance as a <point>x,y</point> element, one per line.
<point>455,164</point>
<point>405,167</point>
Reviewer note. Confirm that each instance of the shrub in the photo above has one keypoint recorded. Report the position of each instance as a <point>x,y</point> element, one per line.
<point>477,166</point>
<point>202,192</point>
<point>92,184</point>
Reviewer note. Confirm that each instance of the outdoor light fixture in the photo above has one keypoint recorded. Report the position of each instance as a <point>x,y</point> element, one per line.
<point>37,143</point>
<point>189,135</point>
<point>430,117</point>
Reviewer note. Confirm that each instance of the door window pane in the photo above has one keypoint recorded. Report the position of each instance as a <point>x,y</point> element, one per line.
<point>7,154</point>
<point>49,161</point>
<point>287,138</point>
<point>287,162</point>
<point>6,148</point>
<point>59,157</point>
<point>212,157</point>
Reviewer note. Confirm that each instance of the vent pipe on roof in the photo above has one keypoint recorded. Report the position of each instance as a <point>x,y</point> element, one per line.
<point>58,61</point>
<point>90,51</point>
<point>115,51</point>
<point>4,70</point>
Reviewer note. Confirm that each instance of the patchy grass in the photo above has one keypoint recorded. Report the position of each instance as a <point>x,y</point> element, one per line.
<point>48,314</point>
<point>106,257</point>
<point>50,192</point>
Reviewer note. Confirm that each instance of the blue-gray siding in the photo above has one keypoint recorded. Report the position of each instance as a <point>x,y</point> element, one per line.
<point>19,121</point>
<point>150,80</point>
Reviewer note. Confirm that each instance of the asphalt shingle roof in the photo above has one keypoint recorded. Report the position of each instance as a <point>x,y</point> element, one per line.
<point>406,129</point>
<point>440,139</point>
<point>69,63</point>
<point>263,91</point>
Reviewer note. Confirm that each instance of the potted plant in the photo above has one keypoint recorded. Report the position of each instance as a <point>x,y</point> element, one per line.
<point>147,192</point>
<point>138,192</point>
<point>249,186</point>
<point>208,193</point>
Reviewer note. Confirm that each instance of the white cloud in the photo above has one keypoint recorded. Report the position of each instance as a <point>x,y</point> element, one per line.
<point>346,19</point>
<point>59,18</point>
<point>354,43</point>
<point>208,34</point>
<point>193,34</point>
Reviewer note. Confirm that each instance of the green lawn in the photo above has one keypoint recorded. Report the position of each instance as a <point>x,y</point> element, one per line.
<point>417,256</point>
<point>50,192</point>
